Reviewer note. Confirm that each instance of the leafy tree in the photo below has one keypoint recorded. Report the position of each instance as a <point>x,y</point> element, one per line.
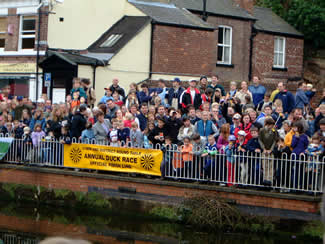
<point>307,16</point>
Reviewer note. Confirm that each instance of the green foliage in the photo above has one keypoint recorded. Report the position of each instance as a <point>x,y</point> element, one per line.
<point>97,200</point>
<point>307,16</point>
<point>168,213</point>
<point>314,229</point>
<point>61,193</point>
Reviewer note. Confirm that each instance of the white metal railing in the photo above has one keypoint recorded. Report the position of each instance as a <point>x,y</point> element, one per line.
<point>9,238</point>
<point>234,169</point>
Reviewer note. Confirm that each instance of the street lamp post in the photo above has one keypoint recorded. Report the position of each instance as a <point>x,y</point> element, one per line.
<point>38,45</point>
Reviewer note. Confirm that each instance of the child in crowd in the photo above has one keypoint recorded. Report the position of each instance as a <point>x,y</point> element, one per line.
<point>83,101</point>
<point>254,149</point>
<point>129,119</point>
<point>209,154</point>
<point>266,101</point>
<point>223,138</point>
<point>146,142</point>
<point>37,135</point>
<point>230,152</point>
<point>233,89</point>
<point>313,171</point>
<point>77,88</point>
<point>75,102</point>
<point>114,133</point>
<point>88,135</point>
<point>65,135</point>
<point>18,130</point>
<point>278,116</point>
<point>27,145</point>
<point>124,134</point>
<point>187,157</point>
<point>282,169</point>
<point>241,150</point>
<point>285,129</point>
<point>136,136</point>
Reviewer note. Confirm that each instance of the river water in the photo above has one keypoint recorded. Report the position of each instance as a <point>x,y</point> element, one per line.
<point>20,224</point>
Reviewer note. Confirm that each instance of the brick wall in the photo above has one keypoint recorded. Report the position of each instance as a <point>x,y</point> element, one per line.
<point>241,32</point>
<point>263,58</point>
<point>179,50</point>
<point>14,20</point>
<point>72,181</point>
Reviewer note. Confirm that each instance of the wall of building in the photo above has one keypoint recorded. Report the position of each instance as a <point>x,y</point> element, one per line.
<point>131,63</point>
<point>84,22</point>
<point>181,51</point>
<point>263,55</point>
<point>241,32</point>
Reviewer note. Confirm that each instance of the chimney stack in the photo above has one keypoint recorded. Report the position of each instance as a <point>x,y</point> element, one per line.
<point>248,5</point>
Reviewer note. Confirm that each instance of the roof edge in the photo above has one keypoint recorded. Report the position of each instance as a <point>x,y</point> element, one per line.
<point>301,36</point>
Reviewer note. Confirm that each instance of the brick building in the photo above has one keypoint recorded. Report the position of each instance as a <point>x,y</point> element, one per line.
<point>19,22</point>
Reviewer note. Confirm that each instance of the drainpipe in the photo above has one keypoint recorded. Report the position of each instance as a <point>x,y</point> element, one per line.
<point>38,44</point>
<point>251,41</point>
<point>94,75</point>
<point>204,14</point>
<point>151,49</point>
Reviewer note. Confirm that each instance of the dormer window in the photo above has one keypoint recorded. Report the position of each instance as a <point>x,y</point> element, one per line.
<point>111,40</point>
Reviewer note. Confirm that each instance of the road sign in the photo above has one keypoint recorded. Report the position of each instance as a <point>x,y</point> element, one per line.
<point>47,79</point>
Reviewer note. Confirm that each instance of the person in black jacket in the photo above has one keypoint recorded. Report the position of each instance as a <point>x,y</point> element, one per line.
<point>191,96</point>
<point>158,134</point>
<point>173,125</point>
<point>143,116</point>
<point>78,122</point>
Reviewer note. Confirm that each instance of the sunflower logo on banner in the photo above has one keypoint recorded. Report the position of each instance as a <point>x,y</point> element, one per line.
<point>147,162</point>
<point>75,155</point>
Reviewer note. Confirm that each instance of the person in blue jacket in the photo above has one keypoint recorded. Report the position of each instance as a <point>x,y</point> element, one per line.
<point>258,91</point>
<point>288,100</point>
<point>146,94</point>
<point>301,98</point>
<point>175,93</point>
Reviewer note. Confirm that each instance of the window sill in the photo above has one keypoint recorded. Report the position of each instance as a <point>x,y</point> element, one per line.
<point>225,65</point>
<point>21,53</point>
<point>279,69</point>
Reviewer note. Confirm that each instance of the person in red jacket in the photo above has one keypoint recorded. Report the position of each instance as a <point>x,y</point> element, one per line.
<point>191,96</point>
<point>245,126</point>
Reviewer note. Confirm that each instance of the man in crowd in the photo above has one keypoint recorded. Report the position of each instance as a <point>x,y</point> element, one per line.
<point>174,94</point>
<point>286,97</point>
<point>115,87</point>
<point>191,96</point>
<point>258,91</point>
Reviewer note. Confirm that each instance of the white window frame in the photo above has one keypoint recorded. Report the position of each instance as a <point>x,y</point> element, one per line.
<point>276,63</point>
<point>225,45</point>
<point>3,32</point>
<point>25,36</point>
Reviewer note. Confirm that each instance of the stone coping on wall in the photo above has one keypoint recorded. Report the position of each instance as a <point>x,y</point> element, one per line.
<point>159,182</point>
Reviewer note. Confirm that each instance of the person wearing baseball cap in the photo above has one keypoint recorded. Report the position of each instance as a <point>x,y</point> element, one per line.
<point>175,93</point>
<point>191,96</point>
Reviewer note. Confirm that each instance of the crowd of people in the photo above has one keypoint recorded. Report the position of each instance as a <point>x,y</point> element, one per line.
<point>245,118</point>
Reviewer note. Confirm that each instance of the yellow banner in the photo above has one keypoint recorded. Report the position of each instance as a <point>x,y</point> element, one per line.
<point>17,67</point>
<point>129,160</point>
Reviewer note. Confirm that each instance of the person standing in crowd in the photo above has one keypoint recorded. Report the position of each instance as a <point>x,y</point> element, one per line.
<point>20,108</point>
<point>146,95</point>
<point>258,91</point>
<point>143,116</point>
<point>301,99</point>
<point>243,92</point>
<point>175,93</point>
<point>205,127</point>
<point>90,92</point>
<point>158,134</point>
<point>186,130</point>
<point>112,108</point>
<point>101,128</point>
<point>268,137</point>
<point>78,122</point>
<point>107,96</point>
<point>191,96</point>
<point>286,97</point>
<point>203,84</point>
<point>116,88</point>
<point>162,92</point>
<point>78,88</point>
<point>214,85</point>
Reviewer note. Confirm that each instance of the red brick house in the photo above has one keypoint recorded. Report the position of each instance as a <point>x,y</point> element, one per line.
<point>19,25</point>
<point>248,41</point>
